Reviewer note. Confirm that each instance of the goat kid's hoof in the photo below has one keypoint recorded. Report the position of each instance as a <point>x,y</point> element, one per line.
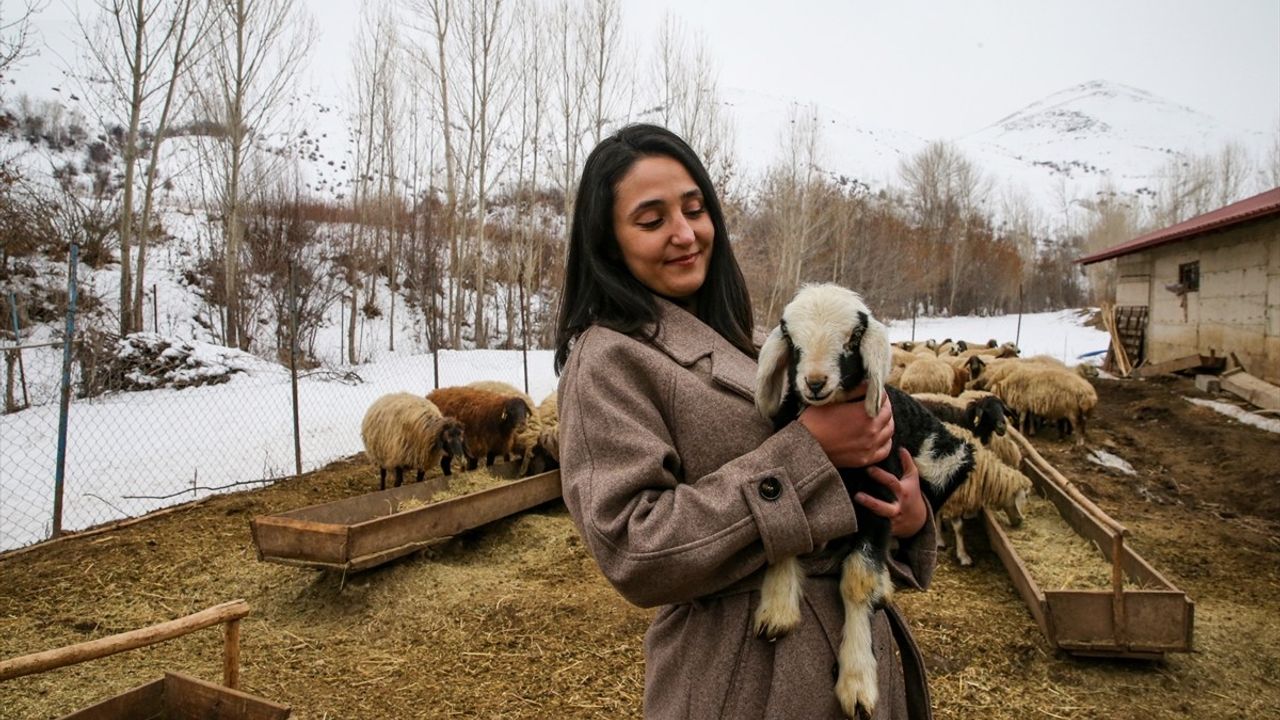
<point>965,561</point>
<point>857,695</point>
<point>773,625</point>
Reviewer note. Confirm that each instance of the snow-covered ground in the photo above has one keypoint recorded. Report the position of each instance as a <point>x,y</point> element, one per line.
<point>174,445</point>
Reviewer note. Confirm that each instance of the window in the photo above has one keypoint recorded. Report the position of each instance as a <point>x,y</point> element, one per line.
<point>1189,276</point>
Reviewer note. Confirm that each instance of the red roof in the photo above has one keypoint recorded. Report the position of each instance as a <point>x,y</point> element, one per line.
<point>1254,208</point>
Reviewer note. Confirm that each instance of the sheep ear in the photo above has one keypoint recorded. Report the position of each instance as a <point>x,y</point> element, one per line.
<point>877,359</point>
<point>771,373</point>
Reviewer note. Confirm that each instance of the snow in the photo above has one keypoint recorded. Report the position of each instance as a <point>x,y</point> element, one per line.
<point>164,442</point>
<point>1109,460</point>
<point>1237,413</point>
<point>1061,334</point>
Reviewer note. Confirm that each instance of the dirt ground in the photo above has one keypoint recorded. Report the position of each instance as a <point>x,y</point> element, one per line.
<point>514,621</point>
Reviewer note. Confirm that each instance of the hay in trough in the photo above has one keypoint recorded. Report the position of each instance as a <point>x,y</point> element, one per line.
<point>1055,555</point>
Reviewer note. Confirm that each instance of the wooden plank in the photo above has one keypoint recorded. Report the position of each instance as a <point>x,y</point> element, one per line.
<point>385,539</point>
<point>1254,390</point>
<point>188,697</point>
<point>1155,621</point>
<point>145,702</point>
<point>362,532</point>
<point>1168,366</point>
<point>121,642</point>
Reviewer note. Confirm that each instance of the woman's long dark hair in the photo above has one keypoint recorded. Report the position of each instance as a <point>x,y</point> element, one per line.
<point>598,287</point>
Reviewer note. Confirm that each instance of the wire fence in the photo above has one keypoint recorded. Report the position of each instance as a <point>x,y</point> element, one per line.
<point>152,421</point>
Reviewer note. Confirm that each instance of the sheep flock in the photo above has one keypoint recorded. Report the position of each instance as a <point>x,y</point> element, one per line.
<point>473,424</point>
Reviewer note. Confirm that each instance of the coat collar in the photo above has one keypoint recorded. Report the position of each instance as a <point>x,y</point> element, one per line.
<point>686,339</point>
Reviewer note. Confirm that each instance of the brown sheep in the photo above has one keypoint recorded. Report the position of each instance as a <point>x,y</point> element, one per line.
<point>491,421</point>
<point>526,441</point>
<point>402,430</point>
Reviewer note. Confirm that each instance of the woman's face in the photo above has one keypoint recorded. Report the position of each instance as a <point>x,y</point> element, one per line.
<point>662,226</point>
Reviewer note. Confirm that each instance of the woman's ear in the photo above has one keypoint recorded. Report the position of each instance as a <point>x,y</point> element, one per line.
<point>771,373</point>
<point>878,361</point>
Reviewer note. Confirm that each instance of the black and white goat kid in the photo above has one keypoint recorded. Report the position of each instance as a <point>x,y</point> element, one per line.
<point>825,347</point>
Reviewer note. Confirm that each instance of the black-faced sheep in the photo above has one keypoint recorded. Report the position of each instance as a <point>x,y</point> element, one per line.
<point>984,417</point>
<point>403,431</point>
<point>826,345</point>
<point>491,420</point>
<point>992,484</point>
<point>526,441</point>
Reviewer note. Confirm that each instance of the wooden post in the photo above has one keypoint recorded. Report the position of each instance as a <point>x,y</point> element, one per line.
<point>132,640</point>
<point>231,655</point>
<point>17,340</point>
<point>524,330</point>
<point>155,309</point>
<point>1017,335</point>
<point>293,373</point>
<point>915,304</point>
<point>64,405</point>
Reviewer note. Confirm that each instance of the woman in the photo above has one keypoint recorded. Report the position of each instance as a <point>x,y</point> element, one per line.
<point>681,491</point>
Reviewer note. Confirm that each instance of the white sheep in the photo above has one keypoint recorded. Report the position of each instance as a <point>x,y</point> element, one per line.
<point>1050,394</point>
<point>992,484</point>
<point>927,375</point>
<point>404,431</point>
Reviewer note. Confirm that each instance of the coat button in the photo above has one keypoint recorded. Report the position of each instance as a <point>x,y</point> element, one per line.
<point>770,488</point>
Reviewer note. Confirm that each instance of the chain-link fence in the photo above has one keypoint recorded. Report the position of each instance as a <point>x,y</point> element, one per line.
<point>155,421</point>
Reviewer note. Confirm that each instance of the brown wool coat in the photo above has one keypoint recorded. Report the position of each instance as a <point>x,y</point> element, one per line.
<point>662,458</point>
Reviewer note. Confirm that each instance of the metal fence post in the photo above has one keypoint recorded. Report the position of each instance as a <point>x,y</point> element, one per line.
<point>1017,336</point>
<point>64,405</point>
<point>293,370</point>
<point>155,309</point>
<point>524,334</point>
<point>17,341</point>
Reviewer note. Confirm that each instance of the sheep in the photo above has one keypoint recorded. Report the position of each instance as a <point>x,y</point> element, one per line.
<point>984,417</point>
<point>825,346</point>
<point>1051,394</point>
<point>989,418</point>
<point>549,416</point>
<point>491,420</point>
<point>402,430</point>
<point>526,439</point>
<point>927,375</point>
<point>991,484</point>
<point>1084,370</point>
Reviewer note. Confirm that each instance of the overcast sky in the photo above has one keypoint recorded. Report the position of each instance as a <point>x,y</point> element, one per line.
<point>935,69</point>
<point>945,69</point>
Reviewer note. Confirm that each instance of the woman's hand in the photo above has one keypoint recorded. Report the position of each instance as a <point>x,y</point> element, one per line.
<point>907,515</point>
<point>847,435</point>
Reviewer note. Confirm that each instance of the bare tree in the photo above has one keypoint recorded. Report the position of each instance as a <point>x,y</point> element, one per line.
<point>946,192</point>
<point>15,32</point>
<point>570,82</point>
<point>257,48</point>
<point>603,40</point>
<point>137,52</point>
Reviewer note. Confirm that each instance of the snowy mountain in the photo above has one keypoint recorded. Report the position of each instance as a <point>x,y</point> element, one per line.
<point>1077,139</point>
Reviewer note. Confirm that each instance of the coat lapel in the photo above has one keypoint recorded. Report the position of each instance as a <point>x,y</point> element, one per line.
<point>686,339</point>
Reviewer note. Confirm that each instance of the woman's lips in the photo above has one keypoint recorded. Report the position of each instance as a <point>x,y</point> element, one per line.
<point>684,259</point>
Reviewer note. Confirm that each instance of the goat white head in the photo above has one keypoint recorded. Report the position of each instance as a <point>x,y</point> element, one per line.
<point>825,346</point>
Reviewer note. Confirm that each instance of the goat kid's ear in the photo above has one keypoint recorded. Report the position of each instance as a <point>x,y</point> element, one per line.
<point>771,373</point>
<point>878,361</point>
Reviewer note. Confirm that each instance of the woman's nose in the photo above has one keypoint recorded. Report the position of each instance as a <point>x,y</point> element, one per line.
<point>682,231</point>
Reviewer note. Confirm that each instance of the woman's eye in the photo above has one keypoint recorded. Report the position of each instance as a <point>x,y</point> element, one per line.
<point>695,212</point>
<point>650,224</point>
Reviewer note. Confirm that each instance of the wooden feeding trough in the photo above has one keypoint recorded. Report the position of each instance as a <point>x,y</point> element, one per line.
<point>175,696</point>
<point>1142,622</point>
<point>365,531</point>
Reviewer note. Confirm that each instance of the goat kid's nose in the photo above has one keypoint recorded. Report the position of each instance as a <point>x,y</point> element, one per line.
<point>815,386</point>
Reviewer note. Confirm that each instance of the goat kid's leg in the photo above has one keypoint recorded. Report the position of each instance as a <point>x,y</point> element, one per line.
<point>957,527</point>
<point>779,609</point>
<point>864,584</point>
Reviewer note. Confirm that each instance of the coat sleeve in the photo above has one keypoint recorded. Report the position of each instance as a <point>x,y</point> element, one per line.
<point>912,560</point>
<point>657,539</point>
